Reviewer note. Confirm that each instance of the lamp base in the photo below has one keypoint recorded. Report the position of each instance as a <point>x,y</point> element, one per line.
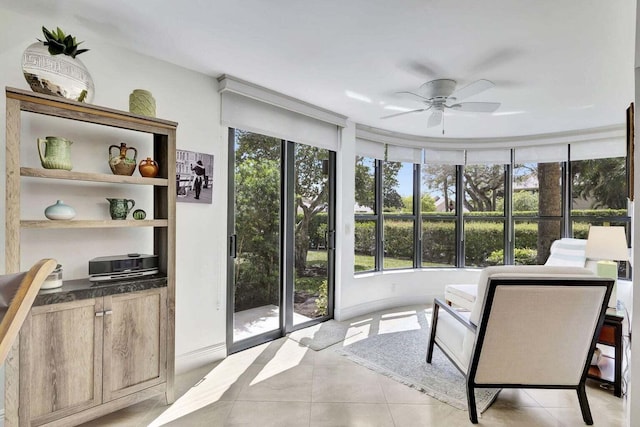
<point>609,269</point>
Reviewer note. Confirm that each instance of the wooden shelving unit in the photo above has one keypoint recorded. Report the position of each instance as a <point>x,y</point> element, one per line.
<point>21,402</point>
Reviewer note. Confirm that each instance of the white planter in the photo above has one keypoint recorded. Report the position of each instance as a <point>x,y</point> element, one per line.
<point>58,75</point>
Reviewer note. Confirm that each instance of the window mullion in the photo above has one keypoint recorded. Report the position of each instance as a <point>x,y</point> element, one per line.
<point>378,214</point>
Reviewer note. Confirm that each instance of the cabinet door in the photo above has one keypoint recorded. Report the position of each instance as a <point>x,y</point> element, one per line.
<point>60,360</point>
<point>135,346</point>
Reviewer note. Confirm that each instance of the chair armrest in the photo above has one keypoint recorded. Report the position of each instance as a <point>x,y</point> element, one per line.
<point>455,314</point>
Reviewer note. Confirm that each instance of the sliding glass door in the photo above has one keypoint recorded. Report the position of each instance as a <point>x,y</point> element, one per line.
<point>280,237</point>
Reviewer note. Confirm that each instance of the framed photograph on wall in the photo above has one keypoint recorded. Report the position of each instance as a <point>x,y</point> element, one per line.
<point>194,177</point>
<point>630,151</point>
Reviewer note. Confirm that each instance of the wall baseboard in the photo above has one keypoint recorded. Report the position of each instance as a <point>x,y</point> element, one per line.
<point>202,356</point>
<point>381,304</point>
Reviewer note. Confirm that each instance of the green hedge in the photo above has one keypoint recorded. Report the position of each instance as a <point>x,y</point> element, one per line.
<point>484,241</point>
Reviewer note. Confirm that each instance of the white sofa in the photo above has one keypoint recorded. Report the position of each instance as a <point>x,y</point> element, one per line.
<point>566,252</point>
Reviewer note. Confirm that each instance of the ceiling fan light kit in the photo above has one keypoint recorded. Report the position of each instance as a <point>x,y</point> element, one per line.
<point>440,94</point>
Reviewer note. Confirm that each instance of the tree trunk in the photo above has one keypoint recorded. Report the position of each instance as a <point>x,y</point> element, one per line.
<point>302,243</point>
<point>549,204</point>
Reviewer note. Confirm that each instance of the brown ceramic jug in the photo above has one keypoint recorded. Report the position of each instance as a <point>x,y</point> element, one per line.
<point>119,163</point>
<point>148,168</point>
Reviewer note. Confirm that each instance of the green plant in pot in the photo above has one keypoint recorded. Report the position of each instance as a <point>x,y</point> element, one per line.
<point>51,67</point>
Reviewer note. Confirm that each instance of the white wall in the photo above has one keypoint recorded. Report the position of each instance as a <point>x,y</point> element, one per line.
<point>187,97</point>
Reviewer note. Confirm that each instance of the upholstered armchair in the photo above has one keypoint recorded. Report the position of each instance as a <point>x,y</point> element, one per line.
<point>17,294</point>
<point>530,327</point>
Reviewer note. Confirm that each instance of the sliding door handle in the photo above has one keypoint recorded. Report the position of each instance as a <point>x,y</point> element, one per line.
<point>233,245</point>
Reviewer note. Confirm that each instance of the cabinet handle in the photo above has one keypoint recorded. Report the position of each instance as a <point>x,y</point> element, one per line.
<point>103,313</point>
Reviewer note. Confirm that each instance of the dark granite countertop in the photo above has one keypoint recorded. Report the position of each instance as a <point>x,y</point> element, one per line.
<point>79,289</point>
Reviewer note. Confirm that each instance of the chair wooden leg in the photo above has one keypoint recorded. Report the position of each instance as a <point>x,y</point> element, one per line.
<point>432,338</point>
<point>471,404</point>
<point>584,404</point>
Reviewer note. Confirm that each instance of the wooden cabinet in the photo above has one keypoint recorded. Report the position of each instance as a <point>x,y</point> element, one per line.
<point>60,364</point>
<point>85,353</point>
<point>84,358</point>
<point>134,342</point>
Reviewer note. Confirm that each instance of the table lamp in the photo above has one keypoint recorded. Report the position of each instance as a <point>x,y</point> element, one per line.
<point>608,245</point>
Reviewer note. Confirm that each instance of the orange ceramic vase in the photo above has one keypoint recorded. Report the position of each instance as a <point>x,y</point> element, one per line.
<point>148,168</point>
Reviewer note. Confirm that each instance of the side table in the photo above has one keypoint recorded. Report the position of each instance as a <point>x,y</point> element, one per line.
<point>609,369</point>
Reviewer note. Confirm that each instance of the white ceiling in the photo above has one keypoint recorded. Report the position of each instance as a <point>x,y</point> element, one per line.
<point>557,65</point>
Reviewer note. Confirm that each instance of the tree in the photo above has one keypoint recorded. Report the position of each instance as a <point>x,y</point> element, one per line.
<point>521,201</point>
<point>483,184</point>
<point>310,183</point>
<point>257,191</point>
<point>441,178</point>
<point>365,184</point>
<point>391,199</point>
<point>311,191</point>
<point>427,203</point>
<point>602,180</point>
<point>549,205</point>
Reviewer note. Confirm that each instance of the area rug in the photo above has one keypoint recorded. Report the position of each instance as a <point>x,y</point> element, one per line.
<point>323,335</point>
<point>401,356</point>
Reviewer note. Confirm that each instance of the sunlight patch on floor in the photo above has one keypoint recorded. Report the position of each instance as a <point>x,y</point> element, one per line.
<point>212,387</point>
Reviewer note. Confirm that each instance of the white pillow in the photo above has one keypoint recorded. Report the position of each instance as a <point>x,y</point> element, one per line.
<point>568,252</point>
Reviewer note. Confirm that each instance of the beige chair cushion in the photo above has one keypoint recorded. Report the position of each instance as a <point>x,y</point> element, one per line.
<point>524,271</point>
<point>550,340</point>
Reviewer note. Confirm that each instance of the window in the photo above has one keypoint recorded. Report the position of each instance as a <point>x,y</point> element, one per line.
<point>399,218</point>
<point>502,207</point>
<point>599,197</point>
<point>537,210</point>
<point>438,214</point>
<point>484,214</point>
<point>366,215</point>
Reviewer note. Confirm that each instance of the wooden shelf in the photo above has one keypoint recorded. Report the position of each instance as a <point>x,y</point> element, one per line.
<point>604,370</point>
<point>93,177</point>
<point>60,107</point>
<point>106,223</point>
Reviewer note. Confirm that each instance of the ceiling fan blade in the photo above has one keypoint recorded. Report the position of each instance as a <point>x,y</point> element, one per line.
<point>435,118</point>
<point>472,89</point>
<point>404,112</point>
<point>477,107</point>
<point>411,95</point>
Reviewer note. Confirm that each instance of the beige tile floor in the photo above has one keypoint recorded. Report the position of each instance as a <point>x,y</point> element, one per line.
<point>284,384</point>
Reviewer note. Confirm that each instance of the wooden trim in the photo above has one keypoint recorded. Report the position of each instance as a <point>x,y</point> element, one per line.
<point>12,197</point>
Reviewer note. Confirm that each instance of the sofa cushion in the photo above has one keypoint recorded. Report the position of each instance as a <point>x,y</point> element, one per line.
<point>568,252</point>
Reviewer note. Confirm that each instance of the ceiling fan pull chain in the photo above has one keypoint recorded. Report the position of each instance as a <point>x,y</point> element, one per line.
<point>443,123</point>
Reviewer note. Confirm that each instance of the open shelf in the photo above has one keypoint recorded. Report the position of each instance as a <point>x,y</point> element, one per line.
<point>93,177</point>
<point>100,223</point>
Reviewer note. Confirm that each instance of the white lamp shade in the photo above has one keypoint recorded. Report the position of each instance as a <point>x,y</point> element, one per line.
<point>607,243</point>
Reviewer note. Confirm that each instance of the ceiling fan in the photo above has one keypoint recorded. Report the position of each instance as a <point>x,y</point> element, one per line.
<point>437,95</point>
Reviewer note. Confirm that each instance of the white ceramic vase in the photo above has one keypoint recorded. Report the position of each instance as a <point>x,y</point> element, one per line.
<point>59,211</point>
<point>57,75</point>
